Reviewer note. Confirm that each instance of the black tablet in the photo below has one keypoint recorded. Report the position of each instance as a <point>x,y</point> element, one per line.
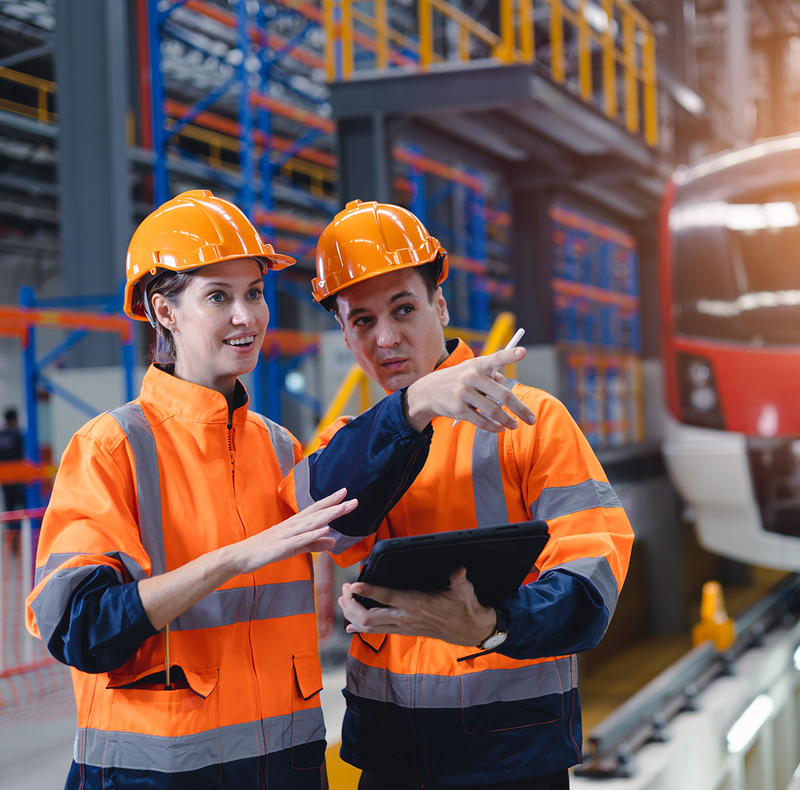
<point>497,560</point>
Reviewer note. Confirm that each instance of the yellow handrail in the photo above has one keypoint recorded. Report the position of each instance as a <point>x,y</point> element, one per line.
<point>354,378</point>
<point>616,29</point>
<point>43,88</point>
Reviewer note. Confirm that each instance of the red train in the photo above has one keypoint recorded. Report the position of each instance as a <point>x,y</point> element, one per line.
<point>729,263</point>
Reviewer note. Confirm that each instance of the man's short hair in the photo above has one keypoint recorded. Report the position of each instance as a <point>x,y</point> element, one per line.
<point>429,272</point>
<point>10,415</point>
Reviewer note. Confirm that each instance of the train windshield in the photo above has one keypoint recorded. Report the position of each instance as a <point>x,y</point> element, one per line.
<point>737,270</point>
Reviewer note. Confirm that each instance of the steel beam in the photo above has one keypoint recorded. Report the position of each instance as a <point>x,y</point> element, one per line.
<point>96,221</point>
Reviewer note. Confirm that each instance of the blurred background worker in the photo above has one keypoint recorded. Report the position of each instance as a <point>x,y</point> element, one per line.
<point>165,517</point>
<point>12,448</point>
<point>423,709</point>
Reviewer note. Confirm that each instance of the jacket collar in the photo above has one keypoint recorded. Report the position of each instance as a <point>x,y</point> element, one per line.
<point>459,352</point>
<point>191,401</point>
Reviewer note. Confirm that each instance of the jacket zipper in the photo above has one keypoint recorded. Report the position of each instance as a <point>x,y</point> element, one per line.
<point>230,451</point>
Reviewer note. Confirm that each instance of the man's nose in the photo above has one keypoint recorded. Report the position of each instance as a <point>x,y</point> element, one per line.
<point>388,335</point>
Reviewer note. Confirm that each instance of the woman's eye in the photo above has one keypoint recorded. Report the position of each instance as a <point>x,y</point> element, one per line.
<point>217,297</point>
<point>256,294</point>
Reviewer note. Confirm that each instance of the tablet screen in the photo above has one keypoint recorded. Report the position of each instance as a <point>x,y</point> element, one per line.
<point>497,560</point>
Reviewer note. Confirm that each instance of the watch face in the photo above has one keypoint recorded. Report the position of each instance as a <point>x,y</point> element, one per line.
<point>494,641</point>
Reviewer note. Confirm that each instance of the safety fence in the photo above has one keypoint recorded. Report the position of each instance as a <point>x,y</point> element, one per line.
<point>604,50</point>
<point>33,686</point>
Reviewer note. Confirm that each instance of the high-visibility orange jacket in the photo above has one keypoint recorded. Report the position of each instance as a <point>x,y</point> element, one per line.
<point>417,714</point>
<point>145,489</point>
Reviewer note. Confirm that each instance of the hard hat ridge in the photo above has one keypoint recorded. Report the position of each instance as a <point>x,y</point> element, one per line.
<point>368,239</point>
<point>192,230</point>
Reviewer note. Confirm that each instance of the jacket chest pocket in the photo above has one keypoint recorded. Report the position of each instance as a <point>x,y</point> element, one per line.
<point>154,729</point>
<point>508,699</point>
<point>308,728</point>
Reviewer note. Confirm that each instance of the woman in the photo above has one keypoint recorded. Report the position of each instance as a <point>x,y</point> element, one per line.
<point>170,575</point>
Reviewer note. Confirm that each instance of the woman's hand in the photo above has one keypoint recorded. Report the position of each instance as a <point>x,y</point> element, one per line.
<point>171,594</point>
<point>303,532</point>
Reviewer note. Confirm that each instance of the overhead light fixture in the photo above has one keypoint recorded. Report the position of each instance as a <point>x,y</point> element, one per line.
<point>749,723</point>
<point>735,216</point>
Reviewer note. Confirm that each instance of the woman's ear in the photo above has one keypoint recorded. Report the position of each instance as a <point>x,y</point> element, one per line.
<point>163,312</point>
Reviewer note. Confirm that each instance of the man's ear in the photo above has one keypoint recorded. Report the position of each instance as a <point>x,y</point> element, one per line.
<point>341,326</point>
<point>441,307</point>
<point>163,311</point>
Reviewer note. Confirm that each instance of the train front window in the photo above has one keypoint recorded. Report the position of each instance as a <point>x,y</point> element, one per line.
<point>737,271</point>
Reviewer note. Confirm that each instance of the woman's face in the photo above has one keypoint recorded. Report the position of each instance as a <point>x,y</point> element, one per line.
<point>218,323</point>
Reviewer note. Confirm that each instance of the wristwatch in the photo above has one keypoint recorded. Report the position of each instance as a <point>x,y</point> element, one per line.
<point>500,633</point>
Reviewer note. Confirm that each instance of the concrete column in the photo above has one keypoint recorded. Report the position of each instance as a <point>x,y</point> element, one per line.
<point>531,263</point>
<point>365,163</point>
<point>96,223</point>
<point>739,69</point>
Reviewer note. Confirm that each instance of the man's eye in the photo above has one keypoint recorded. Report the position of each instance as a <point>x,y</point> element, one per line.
<point>362,321</point>
<point>406,309</point>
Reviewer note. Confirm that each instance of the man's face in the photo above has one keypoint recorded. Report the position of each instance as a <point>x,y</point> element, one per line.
<point>393,329</point>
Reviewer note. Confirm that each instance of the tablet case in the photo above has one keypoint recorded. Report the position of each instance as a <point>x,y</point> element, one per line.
<point>497,560</point>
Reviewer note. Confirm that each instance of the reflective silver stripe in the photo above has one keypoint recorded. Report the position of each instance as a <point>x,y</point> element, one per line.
<point>51,603</point>
<point>140,437</point>
<point>54,560</point>
<point>143,752</point>
<point>344,542</point>
<point>472,688</point>
<point>487,480</point>
<point>556,502</point>
<point>597,571</point>
<point>302,483</point>
<point>282,443</point>
<point>241,604</point>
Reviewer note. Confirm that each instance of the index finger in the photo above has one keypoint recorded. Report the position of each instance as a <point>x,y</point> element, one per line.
<point>501,358</point>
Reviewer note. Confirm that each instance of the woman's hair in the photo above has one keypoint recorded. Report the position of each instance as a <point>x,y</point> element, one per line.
<point>171,286</point>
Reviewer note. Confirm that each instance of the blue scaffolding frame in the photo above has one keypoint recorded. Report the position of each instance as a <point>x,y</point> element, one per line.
<point>257,163</point>
<point>35,381</point>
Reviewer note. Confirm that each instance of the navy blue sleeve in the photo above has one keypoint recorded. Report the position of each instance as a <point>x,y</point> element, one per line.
<point>104,625</point>
<point>377,457</point>
<point>558,614</point>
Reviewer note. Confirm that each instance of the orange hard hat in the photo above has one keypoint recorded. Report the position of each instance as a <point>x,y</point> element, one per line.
<point>192,230</point>
<point>368,239</point>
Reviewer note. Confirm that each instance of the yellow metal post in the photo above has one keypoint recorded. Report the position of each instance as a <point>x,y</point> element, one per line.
<point>382,34</point>
<point>506,51</point>
<point>526,38</point>
<point>364,399</point>
<point>463,43</point>
<point>584,54</point>
<point>347,39</point>
<point>631,75</point>
<point>650,93</point>
<point>557,40</point>
<point>609,63</point>
<point>425,24</point>
<point>331,37</point>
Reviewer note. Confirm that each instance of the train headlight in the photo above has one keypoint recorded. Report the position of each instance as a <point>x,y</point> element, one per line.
<point>699,397</point>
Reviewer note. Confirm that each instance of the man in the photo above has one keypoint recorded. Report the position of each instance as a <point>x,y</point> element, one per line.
<point>12,448</point>
<point>441,691</point>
